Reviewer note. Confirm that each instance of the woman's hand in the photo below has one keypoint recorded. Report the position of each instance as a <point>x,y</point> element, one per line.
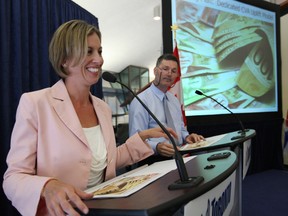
<point>156,133</point>
<point>61,198</point>
<point>166,149</point>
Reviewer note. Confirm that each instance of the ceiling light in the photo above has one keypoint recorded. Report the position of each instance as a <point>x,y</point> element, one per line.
<point>156,15</point>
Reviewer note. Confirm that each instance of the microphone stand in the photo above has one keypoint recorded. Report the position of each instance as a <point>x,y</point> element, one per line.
<point>242,131</point>
<point>185,181</point>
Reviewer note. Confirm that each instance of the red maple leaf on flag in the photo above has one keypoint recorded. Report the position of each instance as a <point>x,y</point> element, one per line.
<point>176,88</point>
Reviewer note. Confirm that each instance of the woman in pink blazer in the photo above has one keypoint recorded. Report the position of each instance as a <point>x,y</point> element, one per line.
<point>63,140</point>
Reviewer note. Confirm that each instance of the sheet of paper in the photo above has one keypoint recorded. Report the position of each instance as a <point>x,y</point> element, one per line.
<point>207,142</point>
<point>130,182</point>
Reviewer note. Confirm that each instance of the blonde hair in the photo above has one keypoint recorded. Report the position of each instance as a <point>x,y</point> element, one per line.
<point>70,41</point>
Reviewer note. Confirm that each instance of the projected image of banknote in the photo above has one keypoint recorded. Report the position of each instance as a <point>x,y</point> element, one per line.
<point>201,25</point>
<point>246,31</point>
<point>195,64</point>
<point>209,16</point>
<point>256,104</point>
<point>230,40</point>
<point>237,51</point>
<point>227,24</point>
<point>257,74</point>
<point>198,30</point>
<point>241,41</point>
<point>221,51</point>
<point>232,98</point>
<point>188,12</point>
<point>190,43</point>
<point>221,18</point>
<point>209,84</point>
<point>197,57</point>
<point>203,53</point>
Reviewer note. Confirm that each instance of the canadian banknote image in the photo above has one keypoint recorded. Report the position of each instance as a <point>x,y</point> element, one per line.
<point>225,55</point>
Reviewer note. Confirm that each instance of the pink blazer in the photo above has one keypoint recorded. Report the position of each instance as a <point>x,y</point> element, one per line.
<point>48,142</point>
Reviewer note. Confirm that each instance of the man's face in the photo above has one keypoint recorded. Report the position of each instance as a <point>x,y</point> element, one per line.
<point>165,74</point>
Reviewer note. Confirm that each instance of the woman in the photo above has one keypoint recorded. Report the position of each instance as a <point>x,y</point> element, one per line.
<point>63,140</point>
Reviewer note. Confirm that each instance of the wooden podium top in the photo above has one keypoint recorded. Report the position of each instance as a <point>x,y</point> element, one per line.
<point>157,199</point>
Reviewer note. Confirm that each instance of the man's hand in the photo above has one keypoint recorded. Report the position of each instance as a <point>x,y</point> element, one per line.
<point>193,138</point>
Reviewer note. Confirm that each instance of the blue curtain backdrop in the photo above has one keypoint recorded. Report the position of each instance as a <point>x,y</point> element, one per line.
<point>26,29</point>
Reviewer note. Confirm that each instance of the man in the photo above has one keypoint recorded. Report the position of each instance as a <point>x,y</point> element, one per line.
<point>166,72</point>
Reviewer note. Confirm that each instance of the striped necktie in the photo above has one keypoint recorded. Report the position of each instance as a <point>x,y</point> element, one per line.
<point>168,116</point>
<point>169,119</point>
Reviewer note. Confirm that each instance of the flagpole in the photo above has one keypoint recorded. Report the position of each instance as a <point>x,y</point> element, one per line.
<point>174,28</point>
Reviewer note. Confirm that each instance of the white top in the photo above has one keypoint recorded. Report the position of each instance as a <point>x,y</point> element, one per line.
<point>99,155</point>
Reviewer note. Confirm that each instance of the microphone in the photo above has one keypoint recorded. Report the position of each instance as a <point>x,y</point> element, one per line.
<point>242,131</point>
<point>184,181</point>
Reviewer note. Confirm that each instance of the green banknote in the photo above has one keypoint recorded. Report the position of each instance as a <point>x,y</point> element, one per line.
<point>209,84</point>
<point>247,31</point>
<point>257,74</point>
<point>193,44</point>
<point>234,48</point>
<point>232,98</point>
<point>231,23</point>
<point>198,30</point>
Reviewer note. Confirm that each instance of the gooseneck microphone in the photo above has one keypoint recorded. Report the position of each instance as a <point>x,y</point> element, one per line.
<point>184,181</point>
<point>242,131</point>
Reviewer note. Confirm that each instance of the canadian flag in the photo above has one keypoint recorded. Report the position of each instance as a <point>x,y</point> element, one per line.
<point>176,88</point>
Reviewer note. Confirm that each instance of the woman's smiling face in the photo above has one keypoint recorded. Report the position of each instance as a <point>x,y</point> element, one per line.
<point>90,68</point>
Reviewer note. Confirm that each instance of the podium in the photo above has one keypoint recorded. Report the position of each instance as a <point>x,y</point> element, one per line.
<point>157,199</point>
<point>238,147</point>
<point>227,141</point>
